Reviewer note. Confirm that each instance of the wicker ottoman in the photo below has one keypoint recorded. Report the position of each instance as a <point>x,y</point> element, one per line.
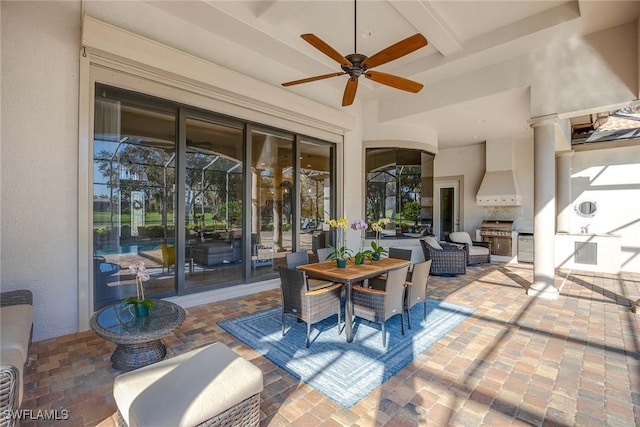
<point>209,386</point>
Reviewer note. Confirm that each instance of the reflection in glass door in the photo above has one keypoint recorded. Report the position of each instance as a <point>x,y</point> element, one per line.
<point>271,200</point>
<point>213,204</point>
<point>315,195</point>
<point>133,198</point>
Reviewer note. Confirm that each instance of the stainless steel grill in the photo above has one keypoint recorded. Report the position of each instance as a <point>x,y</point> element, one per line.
<point>498,233</point>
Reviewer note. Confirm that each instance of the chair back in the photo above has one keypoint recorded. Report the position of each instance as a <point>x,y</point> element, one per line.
<point>323,254</point>
<point>394,300</point>
<point>295,259</point>
<point>293,286</point>
<point>400,253</point>
<point>460,237</point>
<point>168,255</point>
<point>417,292</point>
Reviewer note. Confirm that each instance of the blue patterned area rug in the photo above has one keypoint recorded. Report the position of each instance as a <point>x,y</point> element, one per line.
<point>345,372</point>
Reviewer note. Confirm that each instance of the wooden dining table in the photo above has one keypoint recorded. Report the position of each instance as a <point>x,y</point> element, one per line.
<point>349,276</point>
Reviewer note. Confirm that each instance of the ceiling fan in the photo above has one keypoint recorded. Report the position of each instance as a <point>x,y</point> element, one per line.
<point>356,64</point>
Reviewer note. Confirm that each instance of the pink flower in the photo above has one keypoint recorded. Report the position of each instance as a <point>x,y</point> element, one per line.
<point>359,224</point>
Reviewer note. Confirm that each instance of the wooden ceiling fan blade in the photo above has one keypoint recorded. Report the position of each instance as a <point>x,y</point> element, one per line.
<point>396,51</point>
<point>323,47</point>
<point>312,79</point>
<point>350,92</point>
<point>394,81</point>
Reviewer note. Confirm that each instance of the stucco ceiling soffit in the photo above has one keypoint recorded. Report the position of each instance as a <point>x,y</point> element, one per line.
<point>506,42</point>
<point>486,82</point>
<point>423,16</point>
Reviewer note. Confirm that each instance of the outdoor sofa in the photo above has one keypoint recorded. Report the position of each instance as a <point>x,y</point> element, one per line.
<point>16,323</point>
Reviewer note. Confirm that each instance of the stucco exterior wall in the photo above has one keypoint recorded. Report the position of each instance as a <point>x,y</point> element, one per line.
<point>40,57</point>
<point>611,178</point>
<point>469,162</point>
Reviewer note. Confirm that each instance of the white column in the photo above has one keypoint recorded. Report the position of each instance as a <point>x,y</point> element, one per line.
<point>544,207</point>
<point>563,191</point>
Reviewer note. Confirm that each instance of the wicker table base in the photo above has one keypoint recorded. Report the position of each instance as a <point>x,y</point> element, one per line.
<point>127,357</point>
<point>137,338</point>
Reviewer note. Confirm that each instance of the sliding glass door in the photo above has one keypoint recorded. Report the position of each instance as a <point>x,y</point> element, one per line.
<point>213,203</point>
<point>272,204</point>
<point>316,170</point>
<point>133,198</point>
<point>171,190</point>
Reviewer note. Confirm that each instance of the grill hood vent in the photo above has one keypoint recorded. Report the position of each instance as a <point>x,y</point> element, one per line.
<point>499,186</point>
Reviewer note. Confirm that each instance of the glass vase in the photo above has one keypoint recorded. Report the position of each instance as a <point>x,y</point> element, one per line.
<point>141,310</point>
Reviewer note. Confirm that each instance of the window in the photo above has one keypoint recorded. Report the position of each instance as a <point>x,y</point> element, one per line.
<point>159,164</point>
<point>400,187</point>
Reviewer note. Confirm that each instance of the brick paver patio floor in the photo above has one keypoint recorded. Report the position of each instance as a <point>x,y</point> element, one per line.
<point>517,361</point>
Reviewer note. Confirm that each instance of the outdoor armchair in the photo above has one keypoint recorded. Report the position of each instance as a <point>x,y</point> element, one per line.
<point>168,256</point>
<point>310,306</point>
<point>477,252</point>
<point>447,258</point>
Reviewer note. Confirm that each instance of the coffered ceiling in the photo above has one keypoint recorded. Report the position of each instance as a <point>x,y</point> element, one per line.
<point>463,36</point>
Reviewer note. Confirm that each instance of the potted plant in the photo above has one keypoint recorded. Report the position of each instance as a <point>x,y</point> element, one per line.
<point>339,253</point>
<point>139,302</point>
<point>376,249</point>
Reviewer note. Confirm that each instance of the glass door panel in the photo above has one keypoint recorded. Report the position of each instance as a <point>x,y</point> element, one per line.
<point>213,204</point>
<point>272,204</point>
<point>133,199</point>
<point>315,195</point>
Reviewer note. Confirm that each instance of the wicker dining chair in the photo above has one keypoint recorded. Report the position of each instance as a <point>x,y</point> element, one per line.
<point>378,282</point>
<point>323,254</point>
<point>379,306</point>
<point>294,259</point>
<point>416,289</point>
<point>310,306</point>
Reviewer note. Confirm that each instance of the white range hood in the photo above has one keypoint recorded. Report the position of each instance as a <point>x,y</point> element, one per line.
<point>499,186</point>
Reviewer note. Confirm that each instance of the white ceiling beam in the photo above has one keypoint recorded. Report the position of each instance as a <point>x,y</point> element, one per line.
<point>276,11</point>
<point>423,16</point>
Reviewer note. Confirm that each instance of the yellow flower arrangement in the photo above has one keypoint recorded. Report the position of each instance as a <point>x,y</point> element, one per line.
<point>339,251</point>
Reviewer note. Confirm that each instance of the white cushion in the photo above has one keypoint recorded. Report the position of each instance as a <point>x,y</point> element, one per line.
<point>16,321</point>
<point>431,241</point>
<point>188,389</point>
<point>478,250</point>
<point>315,284</point>
<point>460,237</point>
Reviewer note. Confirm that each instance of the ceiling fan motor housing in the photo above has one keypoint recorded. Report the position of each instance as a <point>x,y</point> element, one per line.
<point>356,68</point>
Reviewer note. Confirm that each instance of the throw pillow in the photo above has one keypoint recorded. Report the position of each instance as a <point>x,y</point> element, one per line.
<point>432,242</point>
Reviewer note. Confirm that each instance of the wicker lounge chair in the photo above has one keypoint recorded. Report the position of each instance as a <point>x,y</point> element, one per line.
<point>448,259</point>
<point>17,332</point>
<point>477,252</point>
